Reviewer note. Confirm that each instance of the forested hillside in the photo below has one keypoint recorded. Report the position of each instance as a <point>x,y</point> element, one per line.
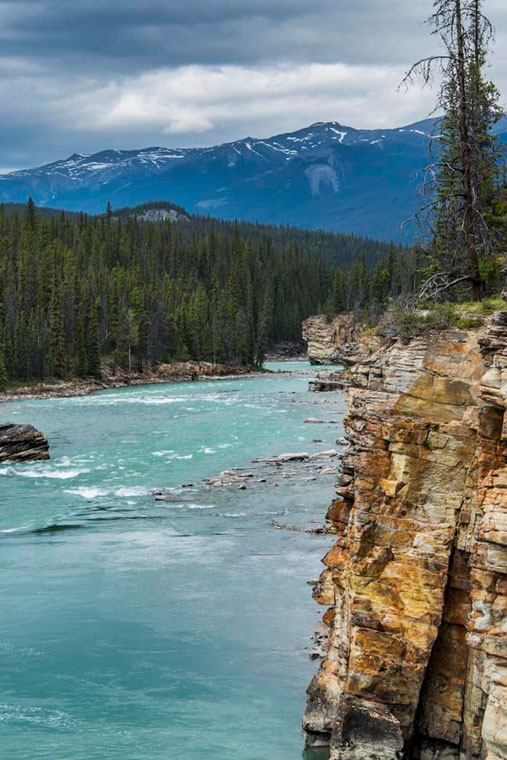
<point>77,292</point>
<point>325,176</point>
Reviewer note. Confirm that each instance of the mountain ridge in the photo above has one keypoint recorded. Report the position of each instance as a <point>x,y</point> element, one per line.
<point>327,175</point>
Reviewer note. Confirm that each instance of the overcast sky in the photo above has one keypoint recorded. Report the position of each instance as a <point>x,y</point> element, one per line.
<point>85,75</point>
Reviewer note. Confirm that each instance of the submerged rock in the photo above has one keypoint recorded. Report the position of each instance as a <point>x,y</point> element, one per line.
<point>300,464</point>
<point>329,454</point>
<point>292,457</point>
<point>22,443</point>
<point>327,384</point>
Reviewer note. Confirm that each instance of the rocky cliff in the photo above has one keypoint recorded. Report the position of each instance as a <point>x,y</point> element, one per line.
<point>416,584</point>
<point>336,341</point>
<point>21,443</point>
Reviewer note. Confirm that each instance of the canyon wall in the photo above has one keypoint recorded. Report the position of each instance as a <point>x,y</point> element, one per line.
<point>332,341</point>
<point>416,584</point>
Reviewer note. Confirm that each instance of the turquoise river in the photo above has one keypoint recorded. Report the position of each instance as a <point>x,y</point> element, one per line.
<point>134,629</point>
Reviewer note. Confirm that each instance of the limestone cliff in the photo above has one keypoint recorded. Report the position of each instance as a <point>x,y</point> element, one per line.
<point>334,341</point>
<point>416,583</point>
<point>21,443</point>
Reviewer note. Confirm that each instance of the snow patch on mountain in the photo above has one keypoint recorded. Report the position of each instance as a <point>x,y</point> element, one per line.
<point>321,175</point>
<point>326,175</point>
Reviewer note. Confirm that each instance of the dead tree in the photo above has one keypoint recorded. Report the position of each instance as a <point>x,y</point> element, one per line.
<point>460,178</point>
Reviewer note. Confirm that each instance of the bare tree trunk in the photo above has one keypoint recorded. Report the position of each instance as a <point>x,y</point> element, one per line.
<point>469,227</point>
<point>477,33</point>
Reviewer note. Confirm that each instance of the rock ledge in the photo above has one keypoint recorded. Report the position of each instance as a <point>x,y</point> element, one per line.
<point>415,632</point>
<point>21,443</point>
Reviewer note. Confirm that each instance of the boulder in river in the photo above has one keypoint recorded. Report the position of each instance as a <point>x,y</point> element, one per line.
<point>22,443</point>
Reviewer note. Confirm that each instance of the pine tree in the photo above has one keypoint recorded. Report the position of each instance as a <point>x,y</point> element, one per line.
<point>463,178</point>
<point>3,370</point>
<point>79,292</point>
<point>56,354</point>
<point>265,319</point>
<point>30,213</point>
<point>82,356</point>
<point>338,294</point>
<point>93,343</point>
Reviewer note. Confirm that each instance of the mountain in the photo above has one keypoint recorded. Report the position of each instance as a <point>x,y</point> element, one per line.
<point>326,176</point>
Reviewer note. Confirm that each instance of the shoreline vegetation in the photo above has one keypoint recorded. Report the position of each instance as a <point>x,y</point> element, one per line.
<point>80,292</point>
<point>179,372</point>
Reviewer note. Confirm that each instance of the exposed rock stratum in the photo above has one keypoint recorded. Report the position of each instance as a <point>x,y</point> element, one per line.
<point>341,340</point>
<point>21,443</point>
<point>415,586</point>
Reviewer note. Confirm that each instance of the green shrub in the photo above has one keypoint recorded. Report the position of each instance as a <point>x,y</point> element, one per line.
<point>484,307</point>
<point>467,323</point>
<point>410,323</point>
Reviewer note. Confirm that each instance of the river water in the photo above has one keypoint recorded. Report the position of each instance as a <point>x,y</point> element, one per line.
<point>138,629</point>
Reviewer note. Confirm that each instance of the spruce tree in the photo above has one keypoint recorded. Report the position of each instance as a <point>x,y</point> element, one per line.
<point>93,343</point>
<point>30,213</point>
<point>3,370</point>
<point>265,320</point>
<point>338,295</point>
<point>79,292</point>
<point>463,177</point>
<point>56,354</point>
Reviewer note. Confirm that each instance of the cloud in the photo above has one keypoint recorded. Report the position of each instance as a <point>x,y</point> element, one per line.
<point>168,32</point>
<point>148,34</point>
<point>203,104</point>
<point>197,99</point>
<point>86,75</point>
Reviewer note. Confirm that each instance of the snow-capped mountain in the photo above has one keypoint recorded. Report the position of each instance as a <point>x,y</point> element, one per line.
<point>324,176</point>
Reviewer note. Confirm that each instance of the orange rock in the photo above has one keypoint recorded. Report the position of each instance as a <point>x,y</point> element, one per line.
<point>417,582</point>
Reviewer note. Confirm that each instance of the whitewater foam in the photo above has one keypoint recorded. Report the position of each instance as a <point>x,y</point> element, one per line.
<point>133,491</point>
<point>88,492</point>
<point>43,473</point>
<point>93,492</point>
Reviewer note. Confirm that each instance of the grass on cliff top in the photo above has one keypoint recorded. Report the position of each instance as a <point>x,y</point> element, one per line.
<point>485,307</point>
<point>469,314</point>
<point>409,323</point>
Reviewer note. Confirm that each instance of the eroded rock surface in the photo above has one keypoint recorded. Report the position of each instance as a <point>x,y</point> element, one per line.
<point>21,443</point>
<point>415,659</point>
<point>336,341</point>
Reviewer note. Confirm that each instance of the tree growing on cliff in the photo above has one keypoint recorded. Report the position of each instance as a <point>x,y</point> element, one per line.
<point>463,180</point>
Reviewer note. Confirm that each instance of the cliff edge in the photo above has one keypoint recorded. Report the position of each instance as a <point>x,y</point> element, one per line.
<point>416,584</point>
<point>340,340</point>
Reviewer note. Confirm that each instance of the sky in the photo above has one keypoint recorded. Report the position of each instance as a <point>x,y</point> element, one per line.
<point>87,75</point>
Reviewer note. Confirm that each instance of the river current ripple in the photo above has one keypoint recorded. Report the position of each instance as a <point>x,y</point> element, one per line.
<point>134,629</point>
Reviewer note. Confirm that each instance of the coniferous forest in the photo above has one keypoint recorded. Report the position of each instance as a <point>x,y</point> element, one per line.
<point>78,293</point>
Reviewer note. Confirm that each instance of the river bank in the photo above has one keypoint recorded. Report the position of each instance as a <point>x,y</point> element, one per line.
<point>180,372</point>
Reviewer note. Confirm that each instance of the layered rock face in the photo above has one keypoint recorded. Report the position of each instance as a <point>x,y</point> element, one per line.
<point>22,443</point>
<point>416,583</point>
<point>335,341</point>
